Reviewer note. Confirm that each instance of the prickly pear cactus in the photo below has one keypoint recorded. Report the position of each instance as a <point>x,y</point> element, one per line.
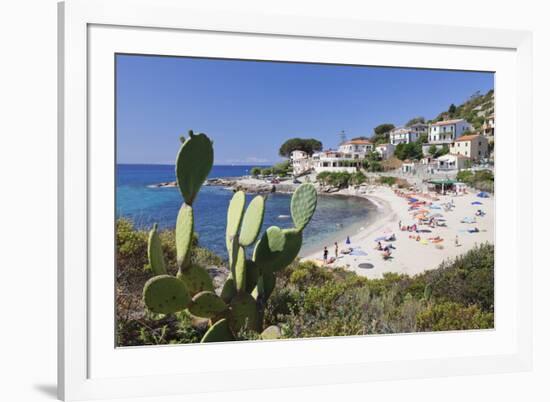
<point>303,204</point>
<point>193,164</point>
<point>242,300</point>
<point>252,221</point>
<point>154,252</point>
<point>165,294</point>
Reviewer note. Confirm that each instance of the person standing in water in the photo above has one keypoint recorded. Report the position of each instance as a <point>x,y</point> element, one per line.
<point>336,249</point>
<point>325,255</point>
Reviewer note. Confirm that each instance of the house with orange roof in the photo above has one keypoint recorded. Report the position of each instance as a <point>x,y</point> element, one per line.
<point>473,146</point>
<point>357,148</point>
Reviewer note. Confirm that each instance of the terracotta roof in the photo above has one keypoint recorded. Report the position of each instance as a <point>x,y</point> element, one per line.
<point>470,137</point>
<point>357,142</point>
<point>446,122</point>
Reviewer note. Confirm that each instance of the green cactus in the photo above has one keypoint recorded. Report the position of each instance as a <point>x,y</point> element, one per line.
<point>193,164</point>
<point>278,248</point>
<point>240,305</point>
<point>154,252</point>
<point>252,221</point>
<point>196,279</point>
<point>184,235</point>
<point>219,332</point>
<point>228,290</point>
<point>243,313</point>
<point>238,266</point>
<point>234,217</point>
<point>165,294</point>
<point>207,304</point>
<point>252,275</point>
<point>303,204</point>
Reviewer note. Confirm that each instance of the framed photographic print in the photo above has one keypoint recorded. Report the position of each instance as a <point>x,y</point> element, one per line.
<point>317,201</point>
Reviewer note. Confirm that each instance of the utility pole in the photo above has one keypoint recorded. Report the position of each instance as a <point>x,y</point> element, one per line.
<point>342,136</point>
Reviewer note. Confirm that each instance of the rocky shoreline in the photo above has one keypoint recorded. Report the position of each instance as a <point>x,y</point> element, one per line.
<point>253,186</point>
<point>248,185</point>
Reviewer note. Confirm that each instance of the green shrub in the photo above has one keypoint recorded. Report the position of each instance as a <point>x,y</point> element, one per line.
<point>450,316</point>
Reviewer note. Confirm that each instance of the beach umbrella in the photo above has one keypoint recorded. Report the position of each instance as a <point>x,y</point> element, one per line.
<point>476,203</point>
<point>380,238</point>
<point>433,206</point>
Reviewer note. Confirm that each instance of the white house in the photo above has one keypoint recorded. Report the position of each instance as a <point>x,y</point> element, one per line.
<point>385,150</point>
<point>334,161</point>
<point>447,131</point>
<point>452,162</point>
<point>301,162</point>
<point>403,135</point>
<point>357,149</point>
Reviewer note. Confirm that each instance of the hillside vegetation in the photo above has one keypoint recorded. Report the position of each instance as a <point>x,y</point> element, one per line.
<point>310,301</point>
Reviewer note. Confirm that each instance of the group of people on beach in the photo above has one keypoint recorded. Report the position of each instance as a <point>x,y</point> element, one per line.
<point>326,259</point>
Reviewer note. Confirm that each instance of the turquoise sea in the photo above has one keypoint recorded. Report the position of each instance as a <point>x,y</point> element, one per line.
<point>145,206</point>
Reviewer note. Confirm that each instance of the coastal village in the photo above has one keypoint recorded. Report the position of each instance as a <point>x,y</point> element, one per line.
<point>431,182</point>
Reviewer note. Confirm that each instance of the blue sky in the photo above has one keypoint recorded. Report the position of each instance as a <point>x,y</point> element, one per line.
<point>250,108</point>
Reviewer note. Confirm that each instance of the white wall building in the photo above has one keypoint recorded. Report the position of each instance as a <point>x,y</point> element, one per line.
<point>403,135</point>
<point>357,149</point>
<point>334,161</point>
<point>301,162</point>
<point>385,150</point>
<point>452,162</point>
<point>447,131</point>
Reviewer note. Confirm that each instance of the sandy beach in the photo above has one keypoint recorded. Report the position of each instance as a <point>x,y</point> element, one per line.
<point>409,255</point>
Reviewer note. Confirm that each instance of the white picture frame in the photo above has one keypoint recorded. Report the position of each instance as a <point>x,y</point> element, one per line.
<point>91,31</point>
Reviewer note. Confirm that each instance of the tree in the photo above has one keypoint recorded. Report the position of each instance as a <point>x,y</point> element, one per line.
<point>412,150</point>
<point>266,171</point>
<point>383,129</point>
<point>415,120</point>
<point>444,150</point>
<point>308,145</point>
<point>452,109</point>
<point>432,150</point>
<point>281,168</point>
<point>256,171</point>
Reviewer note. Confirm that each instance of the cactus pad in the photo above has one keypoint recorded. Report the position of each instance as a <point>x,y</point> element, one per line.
<point>277,248</point>
<point>252,274</point>
<point>238,266</point>
<point>234,217</point>
<point>193,164</point>
<point>207,304</point>
<point>303,204</point>
<point>243,313</point>
<point>266,284</point>
<point>154,252</point>
<point>184,234</point>
<point>229,290</point>
<point>196,279</point>
<point>165,294</point>
<point>252,221</point>
<point>219,332</point>
<point>272,241</point>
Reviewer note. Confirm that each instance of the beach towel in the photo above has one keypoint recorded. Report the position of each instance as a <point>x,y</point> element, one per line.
<point>358,253</point>
<point>483,194</point>
<point>476,203</point>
